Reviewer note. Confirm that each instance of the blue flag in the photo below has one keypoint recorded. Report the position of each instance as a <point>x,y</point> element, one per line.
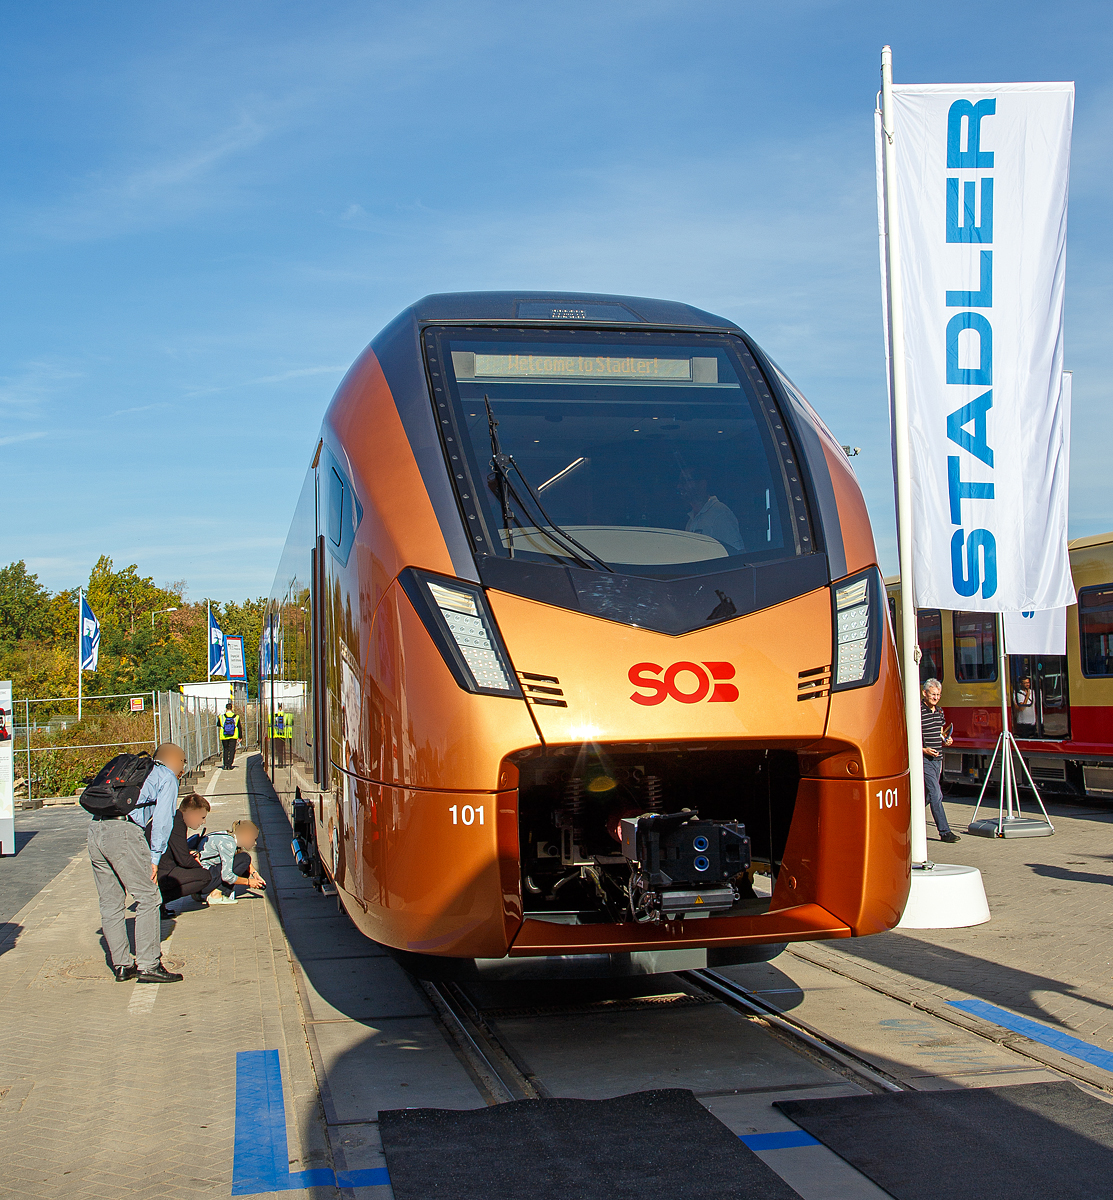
<point>90,637</point>
<point>218,661</point>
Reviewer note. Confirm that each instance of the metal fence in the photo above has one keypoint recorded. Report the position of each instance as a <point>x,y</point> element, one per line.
<point>191,722</point>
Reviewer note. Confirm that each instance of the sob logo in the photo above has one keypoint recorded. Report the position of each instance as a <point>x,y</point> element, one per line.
<point>688,682</point>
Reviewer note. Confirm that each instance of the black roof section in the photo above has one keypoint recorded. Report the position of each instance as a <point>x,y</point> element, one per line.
<point>547,307</point>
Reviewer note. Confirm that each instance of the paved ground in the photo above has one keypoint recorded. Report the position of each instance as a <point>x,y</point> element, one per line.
<point>113,1090</point>
<point>1046,954</point>
<point>45,841</point>
<point>110,1090</point>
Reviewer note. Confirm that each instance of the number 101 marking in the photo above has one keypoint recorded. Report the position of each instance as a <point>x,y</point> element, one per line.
<point>467,815</point>
<point>888,798</point>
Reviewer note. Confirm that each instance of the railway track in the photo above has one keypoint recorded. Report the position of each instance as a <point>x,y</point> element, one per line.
<point>501,1073</point>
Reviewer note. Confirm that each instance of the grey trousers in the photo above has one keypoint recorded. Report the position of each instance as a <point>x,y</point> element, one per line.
<point>121,862</point>
<point>933,770</point>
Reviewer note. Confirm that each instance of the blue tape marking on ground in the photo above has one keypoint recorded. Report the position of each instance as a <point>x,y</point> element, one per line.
<point>261,1157</point>
<point>779,1141</point>
<point>366,1177</point>
<point>1073,1046</point>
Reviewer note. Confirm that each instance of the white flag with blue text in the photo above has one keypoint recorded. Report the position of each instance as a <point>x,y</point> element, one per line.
<point>218,662</point>
<point>90,637</point>
<point>1036,632</point>
<point>982,173</point>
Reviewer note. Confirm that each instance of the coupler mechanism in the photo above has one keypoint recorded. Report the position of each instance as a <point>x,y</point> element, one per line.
<point>304,843</point>
<point>682,866</point>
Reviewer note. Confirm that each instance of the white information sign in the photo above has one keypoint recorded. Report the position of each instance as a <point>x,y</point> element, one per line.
<point>7,769</point>
<point>981,174</point>
<point>237,669</point>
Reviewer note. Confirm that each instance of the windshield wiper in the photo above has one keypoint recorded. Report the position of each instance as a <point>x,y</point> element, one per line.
<point>504,464</point>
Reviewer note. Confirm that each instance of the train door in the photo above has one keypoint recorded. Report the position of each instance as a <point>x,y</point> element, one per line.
<point>1039,696</point>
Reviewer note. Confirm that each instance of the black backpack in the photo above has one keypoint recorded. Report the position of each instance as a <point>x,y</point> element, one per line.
<point>114,791</point>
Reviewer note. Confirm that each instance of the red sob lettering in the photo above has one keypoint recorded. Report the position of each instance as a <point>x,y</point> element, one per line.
<point>642,676</point>
<point>677,684</point>
<point>724,693</point>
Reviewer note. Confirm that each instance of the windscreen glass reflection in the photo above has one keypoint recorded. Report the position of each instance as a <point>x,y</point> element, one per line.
<point>654,455</point>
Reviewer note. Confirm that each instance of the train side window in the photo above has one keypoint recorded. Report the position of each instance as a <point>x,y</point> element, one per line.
<point>929,633</point>
<point>975,647</point>
<point>1095,630</point>
<point>893,613</point>
<point>335,508</point>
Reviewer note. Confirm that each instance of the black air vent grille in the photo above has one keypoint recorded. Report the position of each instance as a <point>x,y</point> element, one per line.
<point>814,683</point>
<point>542,689</point>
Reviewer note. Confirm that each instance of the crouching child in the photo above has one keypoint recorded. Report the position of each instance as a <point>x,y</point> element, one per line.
<point>228,858</point>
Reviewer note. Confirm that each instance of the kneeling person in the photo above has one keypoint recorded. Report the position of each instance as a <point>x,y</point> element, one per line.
<point>228,859</point>
<point>180,872</point>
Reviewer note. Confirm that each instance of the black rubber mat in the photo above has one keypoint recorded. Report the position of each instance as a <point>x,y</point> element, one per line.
<point>1044,1141</point>
<point>660,1145</point>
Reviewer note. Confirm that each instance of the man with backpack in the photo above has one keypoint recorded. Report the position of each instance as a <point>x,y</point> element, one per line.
<point>230,734</point>
<point>128,834</point>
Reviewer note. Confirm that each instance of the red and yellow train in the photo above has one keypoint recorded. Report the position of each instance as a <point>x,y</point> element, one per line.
<point>578,646</point>
<point>1062,717</point>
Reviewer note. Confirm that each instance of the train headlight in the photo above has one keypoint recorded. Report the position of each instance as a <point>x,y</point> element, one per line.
<point>461,625</point>
<point>858,621</point>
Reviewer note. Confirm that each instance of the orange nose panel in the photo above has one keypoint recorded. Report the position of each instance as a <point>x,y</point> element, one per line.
<point>762,676</point>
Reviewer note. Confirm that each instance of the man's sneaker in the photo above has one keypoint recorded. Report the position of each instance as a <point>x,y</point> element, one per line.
<point>158,974</point>
<point>165,914</point>
<point>948,837</point>
<point>221,898</point>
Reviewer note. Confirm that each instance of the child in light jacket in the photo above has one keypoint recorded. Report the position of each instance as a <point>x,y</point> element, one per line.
<point>228,857</point>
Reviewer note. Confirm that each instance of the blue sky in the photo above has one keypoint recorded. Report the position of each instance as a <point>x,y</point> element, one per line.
<point>209,209</point>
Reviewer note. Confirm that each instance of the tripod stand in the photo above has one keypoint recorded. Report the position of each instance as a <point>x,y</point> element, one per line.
<point>1010,820</point>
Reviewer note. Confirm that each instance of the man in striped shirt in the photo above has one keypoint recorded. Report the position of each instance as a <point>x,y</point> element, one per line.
<point>931,724</point>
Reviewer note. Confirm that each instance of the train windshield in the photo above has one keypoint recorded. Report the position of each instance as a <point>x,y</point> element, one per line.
<point>659,454</point>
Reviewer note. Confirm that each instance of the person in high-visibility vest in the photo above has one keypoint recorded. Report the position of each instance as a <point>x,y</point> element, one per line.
<point>282,731</point>
<point>231,734</point>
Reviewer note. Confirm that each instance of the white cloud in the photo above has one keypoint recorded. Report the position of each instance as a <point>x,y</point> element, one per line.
<point>21,437</point>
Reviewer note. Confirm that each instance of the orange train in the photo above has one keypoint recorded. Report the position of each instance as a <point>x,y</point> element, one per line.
<point>578,649</point>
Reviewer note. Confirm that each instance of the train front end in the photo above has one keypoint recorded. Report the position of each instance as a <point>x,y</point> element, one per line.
<point>608,659</point>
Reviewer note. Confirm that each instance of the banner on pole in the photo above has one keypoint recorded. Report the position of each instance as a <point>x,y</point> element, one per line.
<point>218,659</point>
<point>90,637</point>
<point>237,663</point>
<point>7,769</point>
<point>981,180</point>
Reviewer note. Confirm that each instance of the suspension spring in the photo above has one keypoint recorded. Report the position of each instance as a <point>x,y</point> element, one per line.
<point>654,794</point>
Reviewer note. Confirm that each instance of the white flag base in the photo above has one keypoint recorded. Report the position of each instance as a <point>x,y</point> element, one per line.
<point>945,896</point>
<point>1010,827</point>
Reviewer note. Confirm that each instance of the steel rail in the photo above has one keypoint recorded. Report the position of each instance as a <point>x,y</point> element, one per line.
<point>492,1065</point>
<point>739,997</point>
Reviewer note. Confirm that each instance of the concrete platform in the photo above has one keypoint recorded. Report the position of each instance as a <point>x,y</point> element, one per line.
<point>88,1066</point>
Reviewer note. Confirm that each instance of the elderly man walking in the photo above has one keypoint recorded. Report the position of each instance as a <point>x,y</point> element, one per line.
<point>125,852</point>
<point>932,720</point>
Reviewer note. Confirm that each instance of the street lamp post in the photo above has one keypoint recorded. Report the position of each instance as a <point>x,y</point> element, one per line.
<point>159,612</point>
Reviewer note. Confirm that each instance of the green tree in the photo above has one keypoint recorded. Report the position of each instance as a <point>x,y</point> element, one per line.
<point>25,605</point>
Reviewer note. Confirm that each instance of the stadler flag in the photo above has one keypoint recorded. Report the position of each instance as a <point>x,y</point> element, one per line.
<point>981,187</point>
<point>1036,632</point>
<point>218,662</point>
<point>90,637</point>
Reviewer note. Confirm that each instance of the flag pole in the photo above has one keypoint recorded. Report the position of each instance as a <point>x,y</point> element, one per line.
<point>80,594</point>
<point>898,385</point>
<point>209,642</point>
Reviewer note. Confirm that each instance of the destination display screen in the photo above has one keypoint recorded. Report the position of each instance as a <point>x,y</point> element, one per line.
<point>596,368</point>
